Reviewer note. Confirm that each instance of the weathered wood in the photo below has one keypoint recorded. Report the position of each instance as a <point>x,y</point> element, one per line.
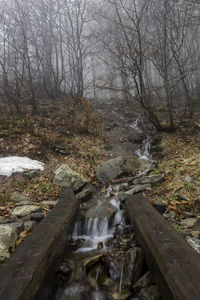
<point>173,262</point>
<point>25,271</point>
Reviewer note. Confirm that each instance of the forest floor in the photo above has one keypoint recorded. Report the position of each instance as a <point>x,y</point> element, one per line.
<point>83,136</point>
<point>56,135</point>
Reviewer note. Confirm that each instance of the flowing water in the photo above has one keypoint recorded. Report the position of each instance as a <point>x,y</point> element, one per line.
<point>95,269</point>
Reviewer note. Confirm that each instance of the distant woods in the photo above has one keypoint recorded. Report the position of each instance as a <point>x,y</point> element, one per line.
<point>145,50</point>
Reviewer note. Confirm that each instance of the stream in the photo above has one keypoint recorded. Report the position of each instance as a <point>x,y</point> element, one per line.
<point>103,260</point>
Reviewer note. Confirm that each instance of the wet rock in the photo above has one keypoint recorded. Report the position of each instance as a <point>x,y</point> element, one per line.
<point>25,210</point>
<point>64,176</point>
<point>149,293</point>
<point>30,225</point>
<point>65,268</point>
<point>90,261</point>
<point>98,275</point>
<point>149,179</point>
<point>85,194</point>
<point>189,223</point>
<point>189,179</point>
<point>145,281</point>
<point>110,169</point>
<point>18,197</point>
<point>137,138</point>
<point>8,238</point>
<point>101,210</point>
<point>194,242</point>
<point>133,265</point>
<point>49,203</point>
<point>135,189</point>
<point>37,216</point>
<point>160,207</point>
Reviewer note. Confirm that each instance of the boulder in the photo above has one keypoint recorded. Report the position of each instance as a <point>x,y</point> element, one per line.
<point>22,211</point>
<point>8,238</point>
<point>18,197</point>
<point>98,208</point>
<point>64,176</point>
<point>110,169</point>
<point>148,179</point>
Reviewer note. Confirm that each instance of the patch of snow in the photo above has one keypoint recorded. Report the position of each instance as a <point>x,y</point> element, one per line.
<point>13,164</point>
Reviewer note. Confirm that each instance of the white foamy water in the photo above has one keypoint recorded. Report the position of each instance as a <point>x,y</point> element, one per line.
<point>135,126</point>
<point>95,231</point>
<point>13,164</point>
<point>143,152</point>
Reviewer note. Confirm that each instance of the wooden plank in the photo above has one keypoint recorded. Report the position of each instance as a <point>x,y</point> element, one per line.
<point>23,274</point>
<point>173,262</point>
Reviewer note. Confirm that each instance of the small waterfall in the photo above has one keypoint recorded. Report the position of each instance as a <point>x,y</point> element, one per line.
<point>143,152</point>
<point>96,231</point>
<point>135,126</point>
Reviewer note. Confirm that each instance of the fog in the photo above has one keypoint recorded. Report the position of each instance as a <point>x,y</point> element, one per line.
<point>138,51</point>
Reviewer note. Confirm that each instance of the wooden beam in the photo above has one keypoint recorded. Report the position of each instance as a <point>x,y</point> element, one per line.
<point>174,264</point>
<point>25,271</point>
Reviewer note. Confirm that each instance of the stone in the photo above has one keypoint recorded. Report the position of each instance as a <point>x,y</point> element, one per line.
<point>149,179</point>
<point>85,194</point>
<point>189,179</point>
<point>133,266</point>
<point>18,197</point>
<point>145,281</point>
<point>100,209</point>
<point>189,222</point>
<point>160,207</point>
<point>188,214</point>
<point>110,169</point>
<point>149,293</point>
<point>123,186</point>
<point>22,203</point>
<point>49,203</point>
<point>18,226</point>
<point>181,197</point>
<point>195,234</point>
<point>64,176</point>
<point>194,242</point>
<point>30,225</point>
<point>36,216</point>
<point>22,211</point>
<point>135,189</point>
<point>8,239</point>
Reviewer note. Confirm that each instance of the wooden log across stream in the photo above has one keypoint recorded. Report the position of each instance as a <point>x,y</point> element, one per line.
<point>174,264</point>
<point>30,271</point>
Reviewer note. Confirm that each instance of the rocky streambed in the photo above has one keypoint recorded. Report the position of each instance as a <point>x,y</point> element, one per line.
<point>103,259</point>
